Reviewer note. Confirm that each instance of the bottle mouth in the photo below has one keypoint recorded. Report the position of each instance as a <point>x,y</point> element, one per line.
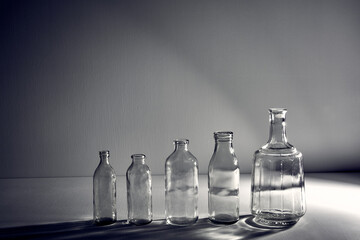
<point>105,153</point>
<point>138,156</point>
<point>277,110</point>
<point>277,114</point>
<point>223,135</point>
<point>181,141</point>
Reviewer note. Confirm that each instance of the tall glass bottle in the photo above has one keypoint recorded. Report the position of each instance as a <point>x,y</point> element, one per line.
<point>277,189</point>
<point>104,191</point>
<point>139,198</point>
<point>181,185</point>
<point>224,181</point>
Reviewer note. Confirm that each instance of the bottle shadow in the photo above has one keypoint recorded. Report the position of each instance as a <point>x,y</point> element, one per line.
<point>245,228</point>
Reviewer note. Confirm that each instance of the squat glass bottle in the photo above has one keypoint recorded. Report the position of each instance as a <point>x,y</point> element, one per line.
<point>277,189</point>
<point>223,181</point>
<point>139,198</point>
<point>104,191</point>
<point>181,185</point>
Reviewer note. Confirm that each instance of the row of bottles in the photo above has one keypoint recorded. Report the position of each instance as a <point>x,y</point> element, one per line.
<point>277,189</point>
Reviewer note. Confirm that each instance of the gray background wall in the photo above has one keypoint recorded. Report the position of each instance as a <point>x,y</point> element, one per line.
<point>130,76</point>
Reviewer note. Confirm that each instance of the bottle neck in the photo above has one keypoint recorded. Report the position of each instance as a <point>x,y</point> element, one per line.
<point>221,145</point>
<point>181,147</point>
<point>223,141</point>
<point>138,158</point>
<point>277,133</point>
<point>104,160</point>
<point>104,157</point>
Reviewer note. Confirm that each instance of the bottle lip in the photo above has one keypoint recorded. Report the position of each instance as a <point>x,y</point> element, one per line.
<point>223,135</point>
<point>138,155</point>
<point>277,110</point>
<point>104,153</point>
<point>181,141</point>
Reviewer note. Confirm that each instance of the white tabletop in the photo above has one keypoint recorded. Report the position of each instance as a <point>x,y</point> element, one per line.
<point>61,208</point>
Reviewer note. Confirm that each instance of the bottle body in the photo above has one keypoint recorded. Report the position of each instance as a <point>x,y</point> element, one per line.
<point>181,186</point>
<point>104,191</point>
<point>277,188</point>
<point>139,191</point>
<point>223,181</point>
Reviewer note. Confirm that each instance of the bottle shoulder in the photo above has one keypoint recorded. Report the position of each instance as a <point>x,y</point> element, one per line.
<point>104,172</point>
<point>181,156</point>
<point>285,151</point>
<point>104,169</point>
<point>224,161</point>
<point>138,169</point>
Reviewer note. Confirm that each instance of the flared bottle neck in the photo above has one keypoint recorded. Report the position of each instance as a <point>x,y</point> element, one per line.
<point>138,158</point>
<point>104,157</point>
<point>181,144</point>
<point>277,132</point>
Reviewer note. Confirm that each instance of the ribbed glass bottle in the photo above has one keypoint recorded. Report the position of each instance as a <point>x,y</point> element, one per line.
<point>104,191</point>
<point>181,185</point>
<point>277,189</point>
<point>139,198</point>
<point>224,181</point>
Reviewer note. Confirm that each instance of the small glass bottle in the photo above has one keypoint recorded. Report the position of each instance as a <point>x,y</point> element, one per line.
<point>181,185</point>
<point>104,191</point>
<point>224,181</point>
<point>277,188</point>
<point>139,198</point>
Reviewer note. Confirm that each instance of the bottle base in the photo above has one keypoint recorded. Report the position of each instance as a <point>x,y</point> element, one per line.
<point>181,221</point>
<point>275,223</point>
<point>223,219</point>
<point>276,220</point>
<point>104,221</point>
<point>140,221</point>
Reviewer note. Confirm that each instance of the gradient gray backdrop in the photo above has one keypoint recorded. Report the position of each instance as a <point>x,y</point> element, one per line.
<point>130,76</point>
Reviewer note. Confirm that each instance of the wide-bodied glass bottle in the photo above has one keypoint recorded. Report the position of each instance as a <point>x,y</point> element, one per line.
<point>139,198</point>
<point>104,191</point>
<point>277,189</point>
<point>181,185</point>
<point>224,181</point>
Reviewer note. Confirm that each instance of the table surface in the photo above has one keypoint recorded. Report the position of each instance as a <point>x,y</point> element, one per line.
<point>61,208</point>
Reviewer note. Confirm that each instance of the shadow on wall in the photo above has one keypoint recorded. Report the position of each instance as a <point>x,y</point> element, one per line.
<point>203,229</point>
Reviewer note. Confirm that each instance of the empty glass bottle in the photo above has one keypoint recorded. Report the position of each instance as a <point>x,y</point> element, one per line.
<point>223,181</point>
<point>277,189</point>
<point>104,191</point>
<point>181,185</point>
<point>139,198</point>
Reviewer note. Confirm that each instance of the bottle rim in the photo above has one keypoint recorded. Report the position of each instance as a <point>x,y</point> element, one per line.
<point>104,153</point>
<point>277,110</point>
<point>138,155</point>
<point>181,141</point>
<point>223,134</point>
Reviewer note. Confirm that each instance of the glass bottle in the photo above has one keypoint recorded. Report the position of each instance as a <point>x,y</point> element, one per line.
<point>181,185</point>
<point>104,191</point>
<point>277,188</point>
<point>224,181</point>
<point>139,198</point>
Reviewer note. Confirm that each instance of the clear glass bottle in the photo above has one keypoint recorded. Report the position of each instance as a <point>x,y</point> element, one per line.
<point>224,181</point>
<point>104,191</point>
<point>139,198</point>
<point>277,189</point>
<point>181,185</point>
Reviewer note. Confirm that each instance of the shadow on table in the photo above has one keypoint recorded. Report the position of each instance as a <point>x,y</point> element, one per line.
<point>203,229</point>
